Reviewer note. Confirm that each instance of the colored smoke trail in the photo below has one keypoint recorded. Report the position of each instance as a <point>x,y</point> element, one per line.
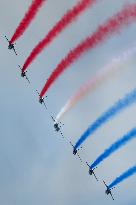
<point>95,81</point>
<point>123,176</point>
<point>114,147</point>
<point>29,16</point>
<point>119,106</point>
<point>68,18</point>
<point>122,18</point>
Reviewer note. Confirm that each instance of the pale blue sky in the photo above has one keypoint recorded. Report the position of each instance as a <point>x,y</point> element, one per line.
<point>37,166</point>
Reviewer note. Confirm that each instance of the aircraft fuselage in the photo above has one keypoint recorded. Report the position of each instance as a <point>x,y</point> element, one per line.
<point>11,46</point>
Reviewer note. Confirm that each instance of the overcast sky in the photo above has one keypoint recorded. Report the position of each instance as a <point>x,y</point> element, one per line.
<point>36,164</point>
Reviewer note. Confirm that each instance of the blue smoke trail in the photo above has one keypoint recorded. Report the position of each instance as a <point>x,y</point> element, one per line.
<point>123,176</point>
<point>118,144</point>
<point>111,112</point>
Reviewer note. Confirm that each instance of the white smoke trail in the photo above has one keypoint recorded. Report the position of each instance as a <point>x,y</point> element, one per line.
<point>95,81</point>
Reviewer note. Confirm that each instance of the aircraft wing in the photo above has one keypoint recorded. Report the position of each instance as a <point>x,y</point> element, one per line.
<point>79,157</point>
<point>71,144</point>
<point>112,196</point>
<point>95,176</point>
<point>45,105</point>
<point>105,184</point>
<point>53,118</point>
<point>37,92</point>
<point>27,79</point>
<point>15,51</point>
<point>6,38</point>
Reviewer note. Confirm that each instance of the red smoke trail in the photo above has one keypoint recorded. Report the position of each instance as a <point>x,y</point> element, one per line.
<point>59,26</point>
<point>122,18</point>
<point>30,14</point>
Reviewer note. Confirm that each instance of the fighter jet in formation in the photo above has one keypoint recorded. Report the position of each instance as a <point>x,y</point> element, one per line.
<point>108,190</point>
<point>11,45</point>
<point>23,74</point>
<point>91,171</point>
<point>41,100</point>
<point>56,125</point>
<point>74,149</point>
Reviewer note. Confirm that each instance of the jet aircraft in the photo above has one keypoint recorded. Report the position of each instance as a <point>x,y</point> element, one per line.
<point>23,74</point>
<point>108,190</point>
<point>11,45</point>
<point>91,171</point>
